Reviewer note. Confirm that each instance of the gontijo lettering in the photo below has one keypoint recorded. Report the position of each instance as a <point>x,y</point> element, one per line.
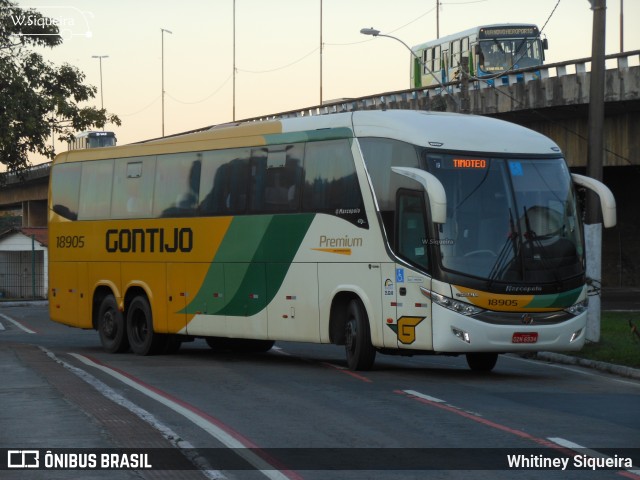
<point>141,240</point>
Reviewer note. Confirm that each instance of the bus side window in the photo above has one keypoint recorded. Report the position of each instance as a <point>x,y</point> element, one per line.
<point>177,184</point>
<point>330,182</point>
<point>465,49</point>
<point>133,187</point>
<point>95,190</point>
<point>224,182</point>
<point>455,54</point>
<point>411,228</point>
<point>65,189</point>
<point>436,66</point>
<point>275,178</point>
<point>427,60</point>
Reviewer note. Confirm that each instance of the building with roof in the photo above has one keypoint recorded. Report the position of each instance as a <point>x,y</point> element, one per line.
<point>23,263</point>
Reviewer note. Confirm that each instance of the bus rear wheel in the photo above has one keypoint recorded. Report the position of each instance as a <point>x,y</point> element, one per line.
<point>111,326</point>
<point>482,362</point>
<point>357,338</point>
<point>142,338</point>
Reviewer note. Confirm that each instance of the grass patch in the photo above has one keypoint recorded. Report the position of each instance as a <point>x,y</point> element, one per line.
<point>618,344</point>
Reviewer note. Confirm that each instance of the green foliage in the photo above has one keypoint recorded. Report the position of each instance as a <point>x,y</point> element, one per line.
<point>37,98</point>
<point>618,344</point>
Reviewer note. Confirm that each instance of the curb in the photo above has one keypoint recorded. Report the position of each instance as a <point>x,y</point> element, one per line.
<point>24,303</point>
<point>620,370</point>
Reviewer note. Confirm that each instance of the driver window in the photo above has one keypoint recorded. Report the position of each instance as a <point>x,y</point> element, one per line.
<point>411,230</point>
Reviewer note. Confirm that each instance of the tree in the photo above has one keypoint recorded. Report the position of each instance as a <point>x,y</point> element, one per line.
<point>37,98</point>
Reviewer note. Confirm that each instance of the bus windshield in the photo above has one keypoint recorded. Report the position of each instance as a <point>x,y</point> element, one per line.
<point>96,142</point>
<point>498,55</point>
<point>508,220</point>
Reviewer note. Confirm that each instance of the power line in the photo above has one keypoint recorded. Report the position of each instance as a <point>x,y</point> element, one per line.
<point>203,99</point>
<point>283,66</point>
<point>550,15</point>
<point>142,109</point>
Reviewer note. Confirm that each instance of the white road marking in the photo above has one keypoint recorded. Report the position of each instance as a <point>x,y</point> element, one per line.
<point>587,451</point>
<point>16,323</point>
<point>423,396</point>
<point>171,436</point>
<point>578,369</point>
<point>227,439</point>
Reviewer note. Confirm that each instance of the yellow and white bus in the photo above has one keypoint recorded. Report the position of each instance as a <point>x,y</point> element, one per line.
<point>398,232</point>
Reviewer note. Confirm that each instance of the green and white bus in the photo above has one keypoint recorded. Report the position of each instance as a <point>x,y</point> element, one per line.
<point>491,51</point>
<point>396,232</point>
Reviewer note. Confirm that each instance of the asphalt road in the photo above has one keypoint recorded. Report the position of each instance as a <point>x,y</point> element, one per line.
<point>297,412</point>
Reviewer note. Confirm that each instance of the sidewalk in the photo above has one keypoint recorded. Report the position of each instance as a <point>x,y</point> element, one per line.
<point>44,406</point>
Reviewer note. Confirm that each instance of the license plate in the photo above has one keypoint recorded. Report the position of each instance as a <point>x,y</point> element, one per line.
<point>529,337</point>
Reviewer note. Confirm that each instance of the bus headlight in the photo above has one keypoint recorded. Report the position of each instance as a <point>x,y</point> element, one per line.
<point>455,305</point>
<point>578,308</point>
<point>461,334</point>
<point>576,335</point>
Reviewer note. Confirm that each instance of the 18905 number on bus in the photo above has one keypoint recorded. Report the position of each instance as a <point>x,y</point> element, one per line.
<point>70,241</point>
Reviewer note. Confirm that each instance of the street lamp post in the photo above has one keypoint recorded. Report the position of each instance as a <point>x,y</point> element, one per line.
<point>100,57</point>
<point>162,31</point>
<point>376,33</point>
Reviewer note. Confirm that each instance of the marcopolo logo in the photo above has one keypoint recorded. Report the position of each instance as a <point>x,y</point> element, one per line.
<point>71,21</point>
<point>23,459</point>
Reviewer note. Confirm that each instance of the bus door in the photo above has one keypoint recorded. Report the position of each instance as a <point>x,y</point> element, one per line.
<point>413,324</point>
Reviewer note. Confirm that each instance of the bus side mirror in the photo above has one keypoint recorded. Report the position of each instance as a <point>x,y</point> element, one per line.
<point>545,44</point>
<point>476,49</point>
<point>433,187</point>
<point>607,200</point>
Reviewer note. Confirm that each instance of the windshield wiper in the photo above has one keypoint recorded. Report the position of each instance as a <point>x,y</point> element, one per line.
<point>534,240</point>
<point>502,262</point>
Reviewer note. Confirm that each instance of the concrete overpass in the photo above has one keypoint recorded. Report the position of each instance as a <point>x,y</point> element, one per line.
<point>555,104</point>
<point>26,191</point>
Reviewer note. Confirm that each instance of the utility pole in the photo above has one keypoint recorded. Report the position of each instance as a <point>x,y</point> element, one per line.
<point>320,52</point>
<point>162,32</point>
<point>233,116</point>
<point>595,153</point>
<point>100,57</point>
<point>437,18</point>
<point>621,26</point>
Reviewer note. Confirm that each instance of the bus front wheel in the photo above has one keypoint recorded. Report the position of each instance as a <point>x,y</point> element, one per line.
<point>357,341</point>
<point>482,362</point>
<point>142,338</point>
<point>111,327</point>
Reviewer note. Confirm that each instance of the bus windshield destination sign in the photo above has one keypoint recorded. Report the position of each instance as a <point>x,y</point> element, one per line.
<point>469,163</point>
<point>508,32</point>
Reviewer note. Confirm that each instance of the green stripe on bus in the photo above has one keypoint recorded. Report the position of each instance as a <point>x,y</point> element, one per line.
<point>561,300</point>
<point>309,136</point>
<point>255,256</point>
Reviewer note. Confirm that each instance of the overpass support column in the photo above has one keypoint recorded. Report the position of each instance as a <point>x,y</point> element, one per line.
<point>34,213</point>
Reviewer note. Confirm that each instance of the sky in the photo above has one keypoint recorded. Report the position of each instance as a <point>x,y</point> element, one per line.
<point>277,50</point>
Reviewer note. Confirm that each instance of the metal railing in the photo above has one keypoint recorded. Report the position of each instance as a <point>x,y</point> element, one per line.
<point>406,98</point>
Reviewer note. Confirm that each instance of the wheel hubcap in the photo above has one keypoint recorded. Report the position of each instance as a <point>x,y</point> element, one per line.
<point>109,325</point>
<point>350,335</point>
